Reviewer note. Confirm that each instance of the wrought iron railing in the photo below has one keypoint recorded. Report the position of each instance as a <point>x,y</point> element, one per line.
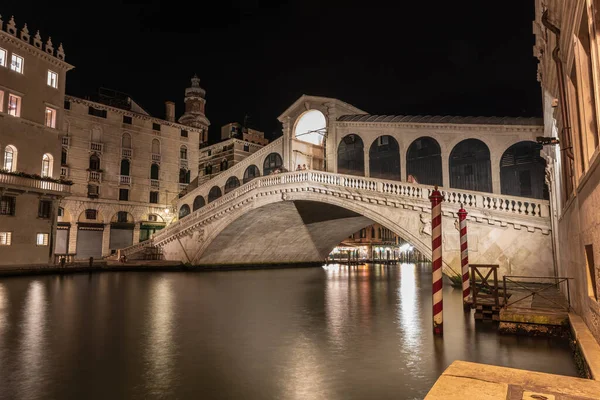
<point>532,285</point>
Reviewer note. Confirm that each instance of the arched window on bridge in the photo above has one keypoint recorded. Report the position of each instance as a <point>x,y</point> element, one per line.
<point>251,172</point>
<point>351,156</point>
<point>215,193</point>
<point>232,183</point>
<point>384,158</point>
<point>198,202</point>
<point>470,167</point>
<point>522,171</point>
<point>310,127</point>
<point>424,161</point>
<point>272,162</point>
<point>184,211</point>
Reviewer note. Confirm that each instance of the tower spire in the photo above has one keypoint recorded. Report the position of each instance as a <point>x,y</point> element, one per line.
<point>194,105</point>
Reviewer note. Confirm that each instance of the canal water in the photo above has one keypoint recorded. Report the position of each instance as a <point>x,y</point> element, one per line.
<point>332,333</point>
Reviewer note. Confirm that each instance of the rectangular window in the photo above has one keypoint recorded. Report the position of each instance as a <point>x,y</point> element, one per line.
<point>45,209</point>
<point>591,272</point>
<point>93,191</point>
<point>154,197</point>
<point>16,63</point>
<point>5,238</point>
<point>152,218</point>
<point>41,239</point>
<point>14,105</point>
<point>96,112</point>
<point>184,133</point>
<point>246,147</point>
<point>156,127</point>
<point>127,119</point>
<point>50,117</point>
<point>3,58</point>
<point>67,105</point>
<point>52,79</point>
<point>122,216</point>
<point>7,205</point>
<point>124,194</point>
<point>90,214</point>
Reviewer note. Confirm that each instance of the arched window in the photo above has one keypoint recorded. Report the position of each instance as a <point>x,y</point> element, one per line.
<point>208,169</point>
<point>272,162</point>
<point>63,156</point>
<point>47,161</point>
<point>94,162</point>
<point>184,211</point>
<point>424,161</point>
<point>372,233</point>
<point>125,167</point>
<point>184,175</point>
<point>232,183</point>
<point>215,193</point>
<point>96,134</point>
<point>251,173</point>
<point>155,146</point>
<point>198,202</point>
<point>126,141</point>
<point>470,167</point>
<point>311,127</point>
<point>224,164</point>
<point>522,171</point>
<point>183,153</point>
<point>10,158</point>
<point>351,156</point>
<point>384,158</point>
<point>154,170</point>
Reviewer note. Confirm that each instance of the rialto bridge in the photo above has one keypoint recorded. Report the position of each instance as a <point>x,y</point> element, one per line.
<point>365,169</point>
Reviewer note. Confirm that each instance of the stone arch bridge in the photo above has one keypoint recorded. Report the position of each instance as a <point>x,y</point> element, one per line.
<point>300,216</point>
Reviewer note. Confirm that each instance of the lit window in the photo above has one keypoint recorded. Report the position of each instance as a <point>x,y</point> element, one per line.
<point>7,205</point>
<point>41,239</point>
<point>52,79</point>
<point>1,100</point>
<point>5,238</point>
<point>16,63</point>
<point>2,58</point>
<point>10,158</point>
<point>47,161</point>
<point>50,117</point>
<point>14,105</point>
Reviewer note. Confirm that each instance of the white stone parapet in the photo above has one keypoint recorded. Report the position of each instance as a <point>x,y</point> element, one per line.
<point>13,180</point>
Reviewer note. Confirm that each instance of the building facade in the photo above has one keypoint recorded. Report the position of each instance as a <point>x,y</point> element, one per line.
<point>567,47</point>
<point>32,91</point>
<point>126,167</point>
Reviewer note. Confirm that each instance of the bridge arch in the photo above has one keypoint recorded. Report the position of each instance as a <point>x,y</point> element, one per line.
<point>184,211</point>
<point>424,161</point>
<point>384,158</point>
<point>198,203</point>
<point>250,173</point>
<point>470,166</point>
<point>214,193</point>
<point>272,162</point>
<point>232,183</point>
<point>351,155</point>
<point>310,127</point>
<point>523,170</point>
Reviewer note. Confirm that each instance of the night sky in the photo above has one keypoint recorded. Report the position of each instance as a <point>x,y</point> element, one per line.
<point>257,57</point>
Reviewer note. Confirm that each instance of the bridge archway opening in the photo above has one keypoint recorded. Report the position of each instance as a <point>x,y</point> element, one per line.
<point>523,170</point>
<point>351,156</point>
<point>184,211</point>
<point>310,127</point>
<point>470,166</point>
<point>272,162</point>
<point>424,161</point>
<point>214,193</point>
<point>250,173</point>
<point>384,158</point>
<point>232,183</point>
<point>199,202</point>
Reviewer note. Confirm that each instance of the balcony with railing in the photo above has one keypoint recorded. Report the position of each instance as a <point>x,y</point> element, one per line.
<point>65,141</point>
<point>7,179</point>
<point>183,186</point>
<point>126,153</point>
<point>64,172</point>
<point>154,184</point>
<point>94,176</point>
<point>96,147</point>
<point>156,158</point>
<point>124,180</point>
<point>183,162</point>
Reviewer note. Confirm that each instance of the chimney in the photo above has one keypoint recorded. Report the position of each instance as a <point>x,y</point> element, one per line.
<point>170,111</point>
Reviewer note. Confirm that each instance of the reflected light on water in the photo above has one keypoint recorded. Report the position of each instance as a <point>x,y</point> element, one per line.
<point>3,327</point>
<point>161,347</point>
<point>32,348</point>
<point>304,374</point>
<point>410,318</point>
<point>336,304</point>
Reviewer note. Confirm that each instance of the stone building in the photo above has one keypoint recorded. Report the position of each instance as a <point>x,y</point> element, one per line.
<point>32,91</point>
<point>126,167</point>
<point>567,47</point>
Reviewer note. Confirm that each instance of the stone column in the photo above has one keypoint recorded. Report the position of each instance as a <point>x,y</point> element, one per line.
<point>106,240</point>
<point>367,170</point>
<point>403,166</point>
<point>72,246</point>
<point>136,233</point>
<point>331,140</point>
<point>496,184</point>
<point>445,170</point>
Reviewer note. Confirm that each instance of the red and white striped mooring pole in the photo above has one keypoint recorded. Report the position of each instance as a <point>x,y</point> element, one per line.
<point>436,248</point>
<point>464,257</point>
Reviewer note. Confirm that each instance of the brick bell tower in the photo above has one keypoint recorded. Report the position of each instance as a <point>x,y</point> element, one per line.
<point>194,108</point>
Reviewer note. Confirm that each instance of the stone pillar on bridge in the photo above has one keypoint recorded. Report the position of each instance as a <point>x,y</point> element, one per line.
<point>496,184</point>
<point>367,170</point>
<point>106,240</point>
<point>445,169</point>
<point>136,233</point>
